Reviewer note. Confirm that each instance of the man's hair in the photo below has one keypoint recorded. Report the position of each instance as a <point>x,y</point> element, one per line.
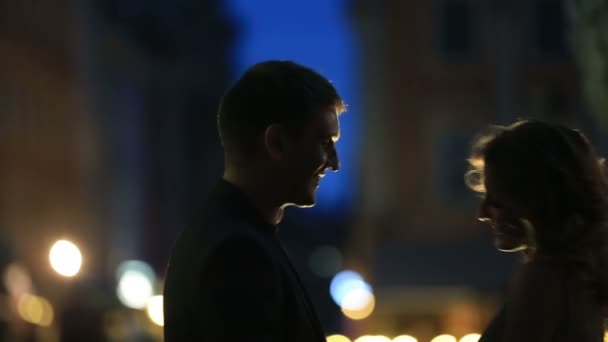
<point>272,92</point>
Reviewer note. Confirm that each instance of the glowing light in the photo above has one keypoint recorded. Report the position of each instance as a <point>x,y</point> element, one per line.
<point>380,338</point>
<point>405,338</point>
<point>155,310</point>
<point>65,258</point>
<point>364,338</point>
<point>363,312</point>
<point>135,284</point>
<point>325,261</point>
<point>357,299</point>
<point>337,338</point>
<point>372,338</point>
<point>17,281</point>
<point>470,338</point>
<point>343,283</point>
<point>444,338</point>
<point>35,310</point>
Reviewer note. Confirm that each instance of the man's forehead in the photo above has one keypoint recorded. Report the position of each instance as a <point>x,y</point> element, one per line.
<point>329,123</point>
<point>329,118</point>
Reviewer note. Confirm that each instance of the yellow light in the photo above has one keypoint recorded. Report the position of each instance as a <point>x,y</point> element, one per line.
<point>372,338</point>
<point>65,258</point>
<point>337,338</point>
<point>470,338</point>
<point>364,338</point>
<point>35,310</point>
<point>405,338</point>
<point>444,338</point>
<point>155,310</point>
<point>357,299</point>
<point>362,312</point>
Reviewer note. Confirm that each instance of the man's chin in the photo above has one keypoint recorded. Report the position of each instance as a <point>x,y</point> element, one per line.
<point>308,201</point>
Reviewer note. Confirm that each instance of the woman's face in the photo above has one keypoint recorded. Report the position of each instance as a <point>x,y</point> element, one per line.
<point>497,210</point>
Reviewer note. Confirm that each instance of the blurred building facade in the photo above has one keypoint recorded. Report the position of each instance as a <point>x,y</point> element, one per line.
<point>107,137</point>
<point>47,147</point>
<point>46,143</point>
<point>435,73</point>
<point>155,73</point>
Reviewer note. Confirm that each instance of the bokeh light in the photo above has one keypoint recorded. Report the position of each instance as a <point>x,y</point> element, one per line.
<point>136,281</point>
<point>405,338</point>
<point>354,296</point>
<point>444,338</point>
<point>362,312</point>
<point>357,299</point>
<point>373,338</point>
<point>344,282</point>
<point>17,280</point>
<point>35,310</point>
<point>155,310</point>
<point>325,261</point>
<point>337,338</point>
<point>470,338</point>
<point>65,258</point>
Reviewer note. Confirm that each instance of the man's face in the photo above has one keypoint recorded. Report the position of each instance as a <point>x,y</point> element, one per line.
<point>309,154</point>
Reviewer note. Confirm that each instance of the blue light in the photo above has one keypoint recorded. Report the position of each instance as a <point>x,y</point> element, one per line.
<point>315,33</point>
<point>135,266</point>
<point>344,283</point>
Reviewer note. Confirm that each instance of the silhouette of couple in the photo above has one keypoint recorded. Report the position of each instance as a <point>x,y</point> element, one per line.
<point>230,279</point>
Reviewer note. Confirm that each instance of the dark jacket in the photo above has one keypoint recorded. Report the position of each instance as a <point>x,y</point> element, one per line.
<point>229,279</point>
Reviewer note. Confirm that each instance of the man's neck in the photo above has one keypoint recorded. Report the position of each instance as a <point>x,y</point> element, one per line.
<point>259,193</point>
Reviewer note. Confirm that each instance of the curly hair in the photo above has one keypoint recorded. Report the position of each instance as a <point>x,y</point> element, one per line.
<point>554,177</point>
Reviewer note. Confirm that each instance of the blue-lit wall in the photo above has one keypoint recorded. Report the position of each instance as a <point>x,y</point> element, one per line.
<point>316,33</point>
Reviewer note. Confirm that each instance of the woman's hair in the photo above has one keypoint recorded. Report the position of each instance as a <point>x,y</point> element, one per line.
<point>554,178</point>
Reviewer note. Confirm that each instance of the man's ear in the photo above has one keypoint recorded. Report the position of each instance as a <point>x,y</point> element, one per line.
<point>275,141</point>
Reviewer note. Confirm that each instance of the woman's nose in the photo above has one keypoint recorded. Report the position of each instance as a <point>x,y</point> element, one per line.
<point>484,214</point>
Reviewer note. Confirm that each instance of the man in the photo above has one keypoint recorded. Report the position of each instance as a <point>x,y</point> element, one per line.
<point>229,278</point>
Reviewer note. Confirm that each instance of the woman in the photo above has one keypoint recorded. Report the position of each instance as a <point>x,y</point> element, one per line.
<point>545,195</point>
